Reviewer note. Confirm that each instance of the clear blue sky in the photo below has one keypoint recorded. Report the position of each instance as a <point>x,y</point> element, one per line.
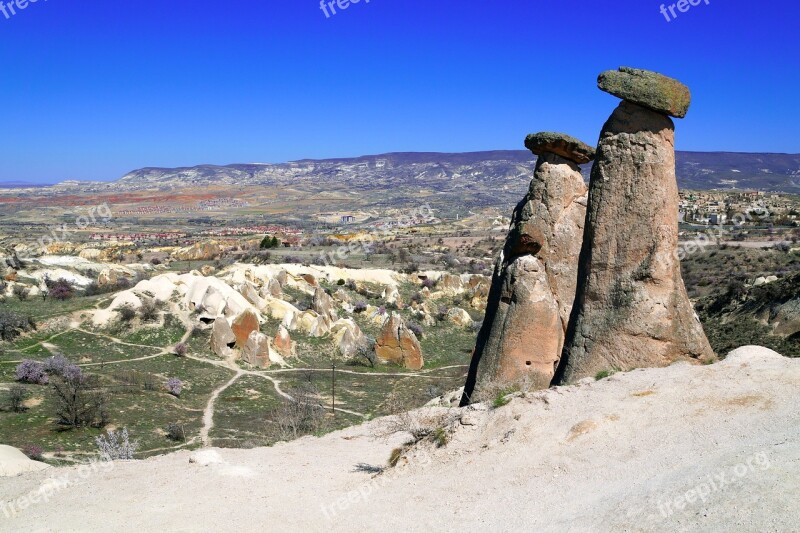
<point>91,89</point>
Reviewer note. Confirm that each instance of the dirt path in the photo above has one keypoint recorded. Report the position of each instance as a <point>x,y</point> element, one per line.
<point>208,414</point>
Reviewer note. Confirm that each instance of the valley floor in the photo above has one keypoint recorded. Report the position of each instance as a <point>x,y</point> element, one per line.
<point>686,448</point>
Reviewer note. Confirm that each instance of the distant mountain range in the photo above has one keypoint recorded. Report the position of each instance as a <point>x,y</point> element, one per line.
<point>695,170</point>
<point>21,185</point>
<point>476,178</point>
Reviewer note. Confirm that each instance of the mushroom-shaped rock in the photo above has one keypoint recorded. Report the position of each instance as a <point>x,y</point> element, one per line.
<point>631,308</point>
<point>648,89</point>
<point>534,285</point>
<point>548,142</point>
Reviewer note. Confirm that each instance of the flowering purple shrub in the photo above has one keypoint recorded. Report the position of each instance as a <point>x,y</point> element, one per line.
<point>360,307</point>
<point>30,371</point>
<point>61,289</point>
<point>73,374</point>
<point>416,329</point>
<point>428,283</point>
<point>174,387</point>
<point>33,452</point>
<point>382,310</point>
<point>56,364</point>
<point>181,349</point>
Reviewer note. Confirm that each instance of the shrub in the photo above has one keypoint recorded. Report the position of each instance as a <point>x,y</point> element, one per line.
<point>395,456</point>
<point>149,382</point>
<point>176,432</point>
<point>33,452</point>
<point>341,282</point>
<point>360,307</point>
<point>61,290</point>
<point>12,325</point>
<point>126,312</point>
<point>501,399</point>
<point>440,438</point>
<point>303,415</point>
<point>181,349</point>
<point>603,374</point>
<point>174,387</point>
<point>79,400</point>
<point>116,446</point>
<point>21,292</point>
<point>365,352</point>
<point>56,365</point>
<point>16,397</point>
<point>416,329</point>
<point>30,371</point>
<point>155,261</point>
<point>428,283</point>
<point>149,310</point>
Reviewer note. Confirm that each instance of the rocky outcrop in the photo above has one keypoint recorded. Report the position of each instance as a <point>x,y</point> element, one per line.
<point>631,308</point>
<point>323,304</point>
<point>536,275</point>
<point>256,351</point>
<point>347,337</point>
<point>398,345</point>
<point>201,251</point>
<point>459,317</point>
<point>243,325</point>
<point>222,338</point>
<point>284,344</point>
<point>112,276</point>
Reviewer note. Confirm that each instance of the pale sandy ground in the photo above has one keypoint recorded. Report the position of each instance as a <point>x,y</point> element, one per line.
<point>605,456</point>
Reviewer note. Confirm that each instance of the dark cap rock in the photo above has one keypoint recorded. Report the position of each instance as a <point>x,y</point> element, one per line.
<point>648,89</point>
<point>548,142</point>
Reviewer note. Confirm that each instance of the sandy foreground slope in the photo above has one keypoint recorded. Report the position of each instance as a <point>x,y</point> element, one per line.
<point>685,448</point>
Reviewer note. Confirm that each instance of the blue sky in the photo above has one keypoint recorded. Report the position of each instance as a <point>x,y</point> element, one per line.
<point>91,89</point>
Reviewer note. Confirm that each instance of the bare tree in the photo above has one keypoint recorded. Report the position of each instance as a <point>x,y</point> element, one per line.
<point>302,415</point>
<point>79,400</point>
<point>17,395</point>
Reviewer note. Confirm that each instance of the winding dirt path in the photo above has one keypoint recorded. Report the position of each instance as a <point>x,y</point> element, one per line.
<point>208,414</point>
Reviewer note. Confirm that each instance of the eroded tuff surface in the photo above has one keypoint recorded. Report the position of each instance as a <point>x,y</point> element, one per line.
<point>621,451</point>
<point>631,308</point>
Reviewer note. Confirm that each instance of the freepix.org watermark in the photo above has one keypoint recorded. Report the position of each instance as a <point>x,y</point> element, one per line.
<point>714,483</point>
<point>11,8</point>
<point>329,7</point>
<point>65,232</point>
<point>672,11</point>
<point>50,487</point>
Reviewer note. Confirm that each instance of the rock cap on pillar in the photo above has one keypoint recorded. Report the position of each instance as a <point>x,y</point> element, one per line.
<point>647,89</point>
<point>549,142</point>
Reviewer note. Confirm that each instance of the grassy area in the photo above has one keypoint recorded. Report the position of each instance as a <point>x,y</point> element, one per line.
<point>716,267</point>
<point>40,309</point>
